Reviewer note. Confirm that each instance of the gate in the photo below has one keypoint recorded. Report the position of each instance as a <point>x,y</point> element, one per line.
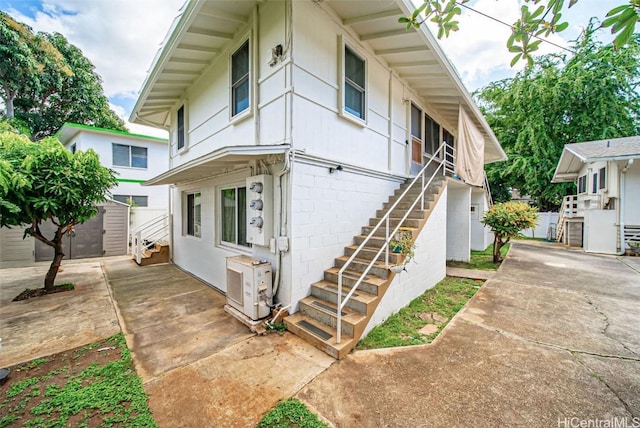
<point>85,240</point>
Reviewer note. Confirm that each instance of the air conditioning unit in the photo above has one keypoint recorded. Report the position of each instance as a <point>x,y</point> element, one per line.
<point>249,286</point>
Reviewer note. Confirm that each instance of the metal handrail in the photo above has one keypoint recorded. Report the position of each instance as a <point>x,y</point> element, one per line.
<point>487,188</point>
<point>385,219</point>
<point>150,229</point>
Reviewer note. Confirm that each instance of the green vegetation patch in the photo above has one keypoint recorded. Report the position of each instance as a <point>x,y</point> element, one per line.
<point>290,413</point>
<point>482,260</point>
<point>424,318</point>
<point>95,385</point>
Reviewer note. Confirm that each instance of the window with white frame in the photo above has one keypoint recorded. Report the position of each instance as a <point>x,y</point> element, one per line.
<point>180,128</point>
<point>594,187</point>
<point>582,184</point>
<point>131,156</point>
<point>194,214</point>
<point>431,135</point>
<point>233,216</point>
<point>240,79</point>
<point>354,84</point>
<point>133,200</point>
<point>602,176</point>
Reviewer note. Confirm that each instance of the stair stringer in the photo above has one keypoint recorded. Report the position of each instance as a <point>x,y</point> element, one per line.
<point>330,346</point>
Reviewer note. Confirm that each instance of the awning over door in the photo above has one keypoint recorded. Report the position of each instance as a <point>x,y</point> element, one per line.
<point>225,159</point>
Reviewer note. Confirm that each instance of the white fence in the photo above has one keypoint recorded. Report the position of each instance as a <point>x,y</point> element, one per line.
<point>541,229</point>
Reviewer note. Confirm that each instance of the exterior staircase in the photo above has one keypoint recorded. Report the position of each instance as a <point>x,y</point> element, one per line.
<point>149,242</point>
<point>317,318</point>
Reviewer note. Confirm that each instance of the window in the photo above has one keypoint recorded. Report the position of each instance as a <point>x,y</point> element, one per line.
<point>582,184</point>
<point>431,135</point>
<point>595,183</point>
<point>233,216</point>
<point>354,83</point>
<point>240,80</point>
<point>133,200</point>
<point>194,214</point>
<point>132,156</point>
<point>603,178</point>
<point>181,133</point>
<point>448,138</point>
<point>73,148</point>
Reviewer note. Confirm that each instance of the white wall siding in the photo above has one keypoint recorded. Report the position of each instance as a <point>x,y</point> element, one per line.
<point>327,211</point>
<point>458,222</point>
<point>632,195</point>
<point>545,220</point>
<point>424,272</point>
<point>479,236</point>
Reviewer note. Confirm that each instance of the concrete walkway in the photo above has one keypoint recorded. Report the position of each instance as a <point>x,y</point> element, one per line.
<point>200,366</point>
<point>554,335</point>
<point>50,324</point>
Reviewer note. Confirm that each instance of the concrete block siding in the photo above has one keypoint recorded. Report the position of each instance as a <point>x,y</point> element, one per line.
<point>327,211</point>
<point>426,269</point>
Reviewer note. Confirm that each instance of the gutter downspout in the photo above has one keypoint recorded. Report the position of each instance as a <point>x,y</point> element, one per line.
<point>254,77</point>
<point>623,174</point>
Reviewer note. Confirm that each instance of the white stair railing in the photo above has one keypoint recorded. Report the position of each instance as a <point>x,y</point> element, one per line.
<point>424,183</point>
<point>148,234</point>
<point>488,189</point>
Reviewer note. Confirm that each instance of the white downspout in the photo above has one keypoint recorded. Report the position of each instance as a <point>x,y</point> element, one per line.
<point>623,174</point>
<point>254,78</point>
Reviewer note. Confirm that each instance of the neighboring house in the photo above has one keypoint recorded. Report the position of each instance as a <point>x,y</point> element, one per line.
<point>604,216</point>
<point>136,158</point>
<point>291,123</point>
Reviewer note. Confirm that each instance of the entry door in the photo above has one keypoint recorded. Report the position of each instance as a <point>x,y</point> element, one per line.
<point>84,241</point>
<point>416,139</point>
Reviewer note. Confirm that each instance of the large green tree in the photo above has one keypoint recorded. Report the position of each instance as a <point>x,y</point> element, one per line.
<point>591,95</point>
<point>46,81</point>
<point>43,181</point>
<point>538,19</point>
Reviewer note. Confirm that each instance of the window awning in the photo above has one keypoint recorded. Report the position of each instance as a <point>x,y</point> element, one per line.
<point>223,160</point>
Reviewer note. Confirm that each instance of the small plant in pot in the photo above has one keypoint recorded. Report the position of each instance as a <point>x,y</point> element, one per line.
<point>404,245</point>
<point>634,246</point>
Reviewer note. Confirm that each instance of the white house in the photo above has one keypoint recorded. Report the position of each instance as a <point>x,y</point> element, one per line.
<point>291,123</point>
<point>136,158</point>
<point>604,215</point>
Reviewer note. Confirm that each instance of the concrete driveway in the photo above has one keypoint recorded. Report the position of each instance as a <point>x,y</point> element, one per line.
<point>551,340</point>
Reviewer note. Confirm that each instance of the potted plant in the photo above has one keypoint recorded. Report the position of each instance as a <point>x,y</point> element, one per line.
<point>404,245</point>
<point>634,246</point>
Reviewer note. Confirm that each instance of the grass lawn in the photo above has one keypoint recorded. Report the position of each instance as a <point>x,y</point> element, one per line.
<point>95,385</point>
<point>290,413</point>
<point>435,307</point>
<point>482,260</point>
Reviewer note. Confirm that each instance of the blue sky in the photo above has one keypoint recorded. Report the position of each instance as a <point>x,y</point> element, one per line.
<point>121,38</point>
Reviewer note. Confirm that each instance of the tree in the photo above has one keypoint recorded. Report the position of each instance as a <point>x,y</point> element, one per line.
<point>590,96</point>
<point>44,181</point>
<point>506,220</point>
<point>526,32</point>
<point>46,81</point>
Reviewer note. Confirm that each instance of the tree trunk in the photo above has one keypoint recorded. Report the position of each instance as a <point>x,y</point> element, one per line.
<point>497,247</point>
<point>9,111</point>
<point>50,277</point>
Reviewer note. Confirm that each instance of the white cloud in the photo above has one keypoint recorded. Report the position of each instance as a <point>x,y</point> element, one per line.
<point>120,37</point>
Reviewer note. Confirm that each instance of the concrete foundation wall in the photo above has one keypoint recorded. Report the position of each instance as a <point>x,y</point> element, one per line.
<point>542,227</point>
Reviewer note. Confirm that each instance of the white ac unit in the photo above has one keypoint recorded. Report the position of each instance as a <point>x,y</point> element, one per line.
<point>249,286</point>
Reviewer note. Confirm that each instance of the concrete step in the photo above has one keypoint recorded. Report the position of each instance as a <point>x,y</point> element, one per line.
<point>319,335</point>
<point>393,222</point>
<point>437,181</point>
<point>370,284</point>
<point>380,233</point>
<point>158,254</point>
<point>370,253</point>
<point>360,301</point>
<point>378,269</point>
<point>428,201</point>
<point>326,313</point>
<point>399,213</point>
<point>428,197</point>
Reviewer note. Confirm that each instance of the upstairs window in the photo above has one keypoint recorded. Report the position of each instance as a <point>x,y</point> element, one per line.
<point>603,178</point>
<point>131,156</point>
<point>354,84</point>
<point>582,184</point>
<point>181,132</point>
<point>134,200</point>
<point>595,183</point>
<point>431,135</point>
<point>240,80</point>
